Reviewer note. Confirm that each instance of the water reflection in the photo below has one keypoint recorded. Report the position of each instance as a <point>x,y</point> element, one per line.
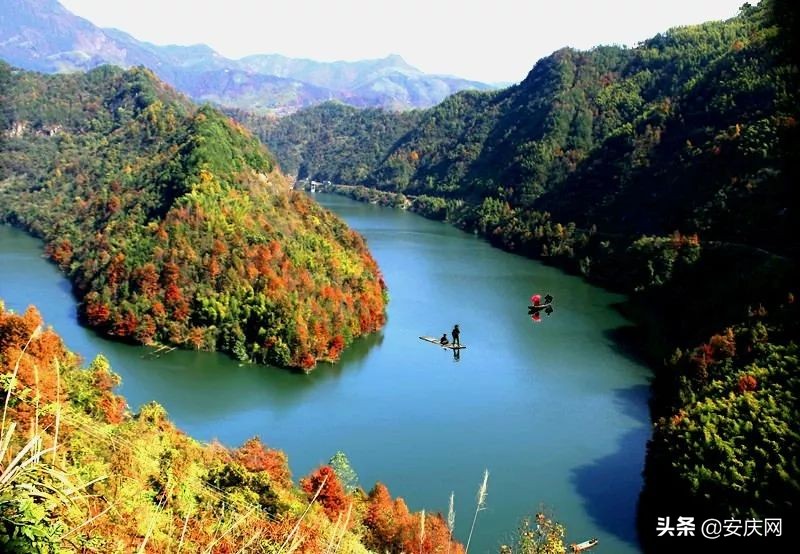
<point>221,385</point>
<point>610,484</point>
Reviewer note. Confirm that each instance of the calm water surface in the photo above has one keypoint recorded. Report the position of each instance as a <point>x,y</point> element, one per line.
<point>556,410</point>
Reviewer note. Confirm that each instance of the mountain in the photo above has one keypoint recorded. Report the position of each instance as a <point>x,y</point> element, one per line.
<point>42,35</point>
<point>667,171</point>
<point>387,82</point>
<point>174,224</point>
<point>333,75</point>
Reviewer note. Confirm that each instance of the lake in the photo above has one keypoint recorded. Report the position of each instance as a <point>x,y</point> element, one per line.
<point>555,410</point>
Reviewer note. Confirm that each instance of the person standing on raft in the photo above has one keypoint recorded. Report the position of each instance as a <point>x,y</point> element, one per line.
<point>456,334</point>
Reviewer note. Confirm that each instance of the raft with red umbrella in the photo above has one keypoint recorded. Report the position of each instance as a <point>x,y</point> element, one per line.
<point>538,305</point>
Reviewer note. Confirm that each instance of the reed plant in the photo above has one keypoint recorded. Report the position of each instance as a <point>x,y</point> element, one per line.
<point>480,505</point>
<point>451,518</point>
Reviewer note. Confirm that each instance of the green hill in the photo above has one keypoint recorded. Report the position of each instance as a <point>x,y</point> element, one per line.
<point>175,225</point>
<point>331,141</point>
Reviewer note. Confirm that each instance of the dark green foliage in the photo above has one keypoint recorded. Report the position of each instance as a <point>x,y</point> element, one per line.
<point>331,141</point>
<point>725,438</point>
<point>254,487</point>
<point>25,526</point>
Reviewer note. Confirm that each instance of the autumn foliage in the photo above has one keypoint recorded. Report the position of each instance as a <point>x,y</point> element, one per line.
<point>33,353</point>
<point>254,456</point>
<point>393,528</point>
<point>388,520</point>
<point>324,484</point>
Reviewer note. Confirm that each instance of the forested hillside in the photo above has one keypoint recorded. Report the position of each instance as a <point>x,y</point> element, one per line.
<point>588,135</point>
<point>80,473</point>
<point>331,141</point>
<point>668,171</point>
<point>175,225</point>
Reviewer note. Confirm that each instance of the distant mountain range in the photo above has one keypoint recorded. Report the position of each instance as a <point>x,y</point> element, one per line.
<point>44,36</point>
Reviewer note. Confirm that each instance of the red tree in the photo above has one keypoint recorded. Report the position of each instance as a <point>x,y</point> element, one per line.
<point>254,456</point>
<point>331,496</point>
<point>97,311</point>
<point>387,520</point>
<point>147,279</point>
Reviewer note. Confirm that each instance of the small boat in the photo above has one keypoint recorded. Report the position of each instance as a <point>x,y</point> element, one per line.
<point>449,345</point>
<point>583,546</point>
<point>537,305</point>
<point>159,351</point>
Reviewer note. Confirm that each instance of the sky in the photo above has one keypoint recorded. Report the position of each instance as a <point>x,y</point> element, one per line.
<point>494,41</point>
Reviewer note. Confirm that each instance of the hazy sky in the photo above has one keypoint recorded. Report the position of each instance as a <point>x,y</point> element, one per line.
<point>491,40</point>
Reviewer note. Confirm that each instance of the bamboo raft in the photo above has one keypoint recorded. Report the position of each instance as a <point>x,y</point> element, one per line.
<point>160,351</point>
<point>585,545</point>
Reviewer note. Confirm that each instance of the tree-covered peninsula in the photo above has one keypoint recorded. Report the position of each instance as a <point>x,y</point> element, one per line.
<point>174,223</point>
<point>668,171</point>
